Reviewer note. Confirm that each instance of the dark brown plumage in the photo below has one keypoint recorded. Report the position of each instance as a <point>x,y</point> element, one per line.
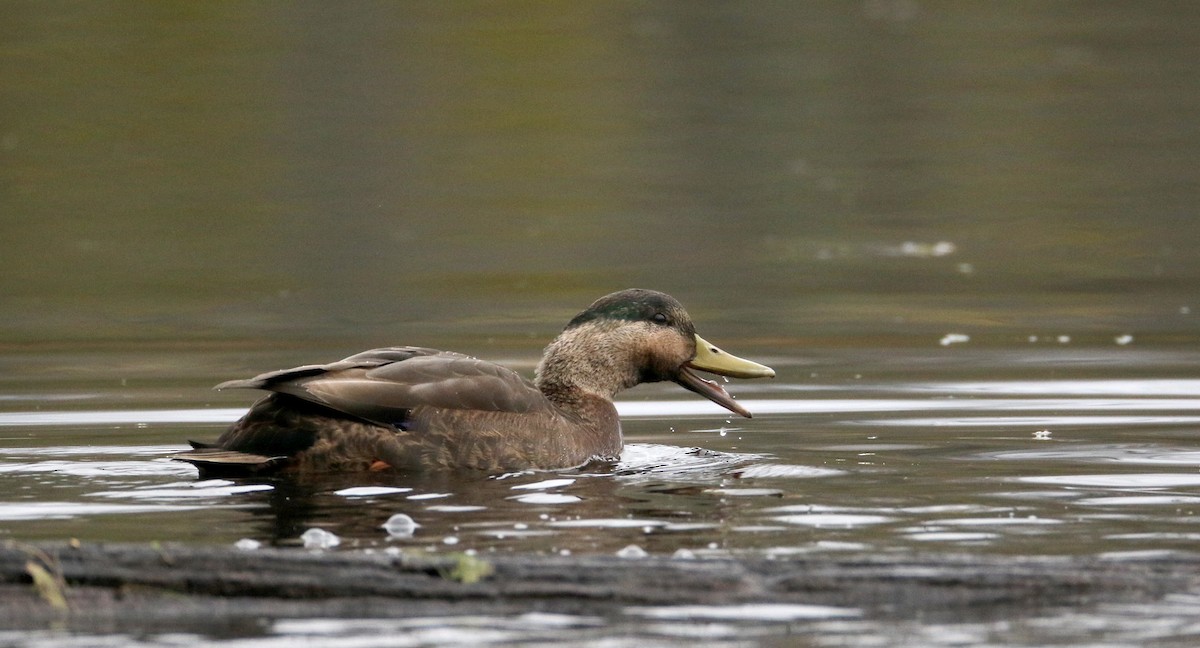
<point>416,409</point>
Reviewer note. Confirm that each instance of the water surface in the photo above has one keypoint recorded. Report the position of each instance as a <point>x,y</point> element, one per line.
<point>964,233</point>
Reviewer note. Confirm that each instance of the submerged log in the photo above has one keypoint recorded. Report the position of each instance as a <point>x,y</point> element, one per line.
<point>124,585</point>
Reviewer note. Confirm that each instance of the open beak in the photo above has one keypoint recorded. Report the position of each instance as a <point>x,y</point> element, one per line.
<point>713,360</point>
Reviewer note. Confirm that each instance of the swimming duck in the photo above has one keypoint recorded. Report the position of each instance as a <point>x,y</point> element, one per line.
<point>418,409</point>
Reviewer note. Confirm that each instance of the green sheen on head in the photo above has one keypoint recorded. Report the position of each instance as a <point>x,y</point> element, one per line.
<point>635,305</point>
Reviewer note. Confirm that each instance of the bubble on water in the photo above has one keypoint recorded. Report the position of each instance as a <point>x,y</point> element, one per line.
<point>632,551</point>
<point>450,540</point>
<point>319,539</point>
<point>683,554</point>
<point>400,526</point>
<point>1123,339</point>
<point>1042,435</point>
<point>954,338</point>
<point>247,544</point>
<point>1064,339</point>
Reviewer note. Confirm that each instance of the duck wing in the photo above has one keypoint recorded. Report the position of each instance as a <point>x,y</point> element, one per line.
<point>383,385</point>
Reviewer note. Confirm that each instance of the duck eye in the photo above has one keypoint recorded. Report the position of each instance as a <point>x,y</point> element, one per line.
<point>660,318</point>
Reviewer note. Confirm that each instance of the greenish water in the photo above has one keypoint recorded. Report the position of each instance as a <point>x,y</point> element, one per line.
<point>964,233</point>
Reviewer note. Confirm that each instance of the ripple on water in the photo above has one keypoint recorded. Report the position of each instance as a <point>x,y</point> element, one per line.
<point>655,461</point>
<point>608,523</point>
<point>12,511</point>
<point>546,498</point>
<point>455,508</point>
<point>545,484</point>
<point>832,520</point>
<point>185,490</point>
<point>785,471</point>
<point>745,492</point>
<point>1141,500</point>
<point>100,468</point>
<point>1118,481</point>
<point>1127,454</point>
<point>429,496</point>
<point>951,536</point>
<point>371,491</point>
<point>747,612</point>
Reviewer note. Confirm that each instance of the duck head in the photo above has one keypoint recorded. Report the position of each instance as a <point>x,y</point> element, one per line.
<point>636,336</point>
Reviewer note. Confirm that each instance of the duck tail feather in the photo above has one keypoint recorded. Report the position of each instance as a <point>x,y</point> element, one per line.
<point>213,461</point>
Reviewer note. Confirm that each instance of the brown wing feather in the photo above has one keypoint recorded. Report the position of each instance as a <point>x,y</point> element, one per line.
<point>383,385</point>
<point>363,360</point>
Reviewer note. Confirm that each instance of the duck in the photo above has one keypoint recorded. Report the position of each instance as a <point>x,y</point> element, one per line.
<point>416,409</point>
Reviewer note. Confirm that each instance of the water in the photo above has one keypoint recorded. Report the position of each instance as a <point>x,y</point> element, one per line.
<point>1075,463</point>
<point>1069,460</point>
<point>964,234</point>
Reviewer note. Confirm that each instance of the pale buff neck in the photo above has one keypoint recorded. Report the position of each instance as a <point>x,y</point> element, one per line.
<point>591,360</point>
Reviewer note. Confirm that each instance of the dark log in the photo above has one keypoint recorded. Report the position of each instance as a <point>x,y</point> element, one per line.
<point>123,585</point>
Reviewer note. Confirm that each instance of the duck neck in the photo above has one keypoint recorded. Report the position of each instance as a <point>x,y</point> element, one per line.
<point>581,371</point>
